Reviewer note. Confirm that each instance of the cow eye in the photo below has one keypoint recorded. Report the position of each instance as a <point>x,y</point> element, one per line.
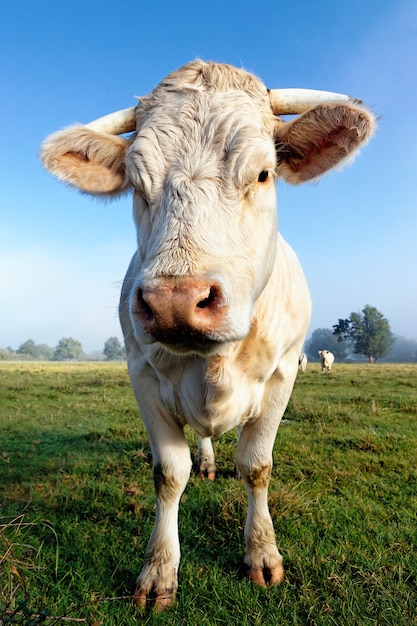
<point>263,176</point>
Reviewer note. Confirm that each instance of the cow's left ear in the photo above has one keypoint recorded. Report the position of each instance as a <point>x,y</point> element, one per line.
<point>320,139</point>
<point>91,161</point>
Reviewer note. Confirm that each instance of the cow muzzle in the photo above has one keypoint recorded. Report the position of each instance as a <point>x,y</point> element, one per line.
<point>184,315</point>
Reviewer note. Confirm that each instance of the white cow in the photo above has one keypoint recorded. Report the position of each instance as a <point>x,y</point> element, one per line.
<point>302,360</point>
<point>214,307</point>
<point>326,360</point>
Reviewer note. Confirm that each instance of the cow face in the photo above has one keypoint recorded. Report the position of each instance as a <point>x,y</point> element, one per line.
<point>206,219</point>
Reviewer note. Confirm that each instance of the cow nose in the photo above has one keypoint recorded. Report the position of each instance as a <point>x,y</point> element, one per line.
<point>180,310</point>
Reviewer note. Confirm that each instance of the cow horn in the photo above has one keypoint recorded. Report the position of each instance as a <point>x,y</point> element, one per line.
<point>283,102</point>
<point>116,123</point>
<point>294,101</point>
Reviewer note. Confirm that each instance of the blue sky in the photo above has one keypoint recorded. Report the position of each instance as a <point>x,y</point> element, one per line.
<point>63,255</point>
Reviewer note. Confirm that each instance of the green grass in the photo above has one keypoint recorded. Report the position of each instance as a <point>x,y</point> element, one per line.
<point>77,503</point>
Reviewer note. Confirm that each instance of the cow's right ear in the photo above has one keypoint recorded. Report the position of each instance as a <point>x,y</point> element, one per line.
<point>88,160</point>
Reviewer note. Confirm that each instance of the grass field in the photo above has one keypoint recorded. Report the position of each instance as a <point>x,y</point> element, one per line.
<point>77,504</point>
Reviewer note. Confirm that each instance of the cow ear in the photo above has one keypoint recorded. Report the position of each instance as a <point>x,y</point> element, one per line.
<point>88,160</point>
<point>322,138</point>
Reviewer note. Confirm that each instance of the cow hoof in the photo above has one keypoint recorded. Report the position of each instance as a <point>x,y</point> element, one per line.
<point>159,603</point>
<point>206,468</point>
<point>163,602</point>
<point>210,475</point>
<point>267,576</point>
<point>140,600</point>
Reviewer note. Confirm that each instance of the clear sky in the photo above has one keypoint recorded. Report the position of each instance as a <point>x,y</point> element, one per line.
<point>63,255</point>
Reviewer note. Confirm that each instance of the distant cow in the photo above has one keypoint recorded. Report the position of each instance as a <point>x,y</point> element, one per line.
<point>302,360</point>
<point>214,307</point>
<point>326,360</point>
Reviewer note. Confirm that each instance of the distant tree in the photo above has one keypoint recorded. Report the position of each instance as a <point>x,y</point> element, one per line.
<point>403,351</point>
<point>368,332</point>
<point>6,353</point>
<point>34,350</point>
<point>323,339</point>
<point>27,347</point>
<point>113,350</point>
<point>45,351</point>
<point>93,355</point>
<point>68,349</point>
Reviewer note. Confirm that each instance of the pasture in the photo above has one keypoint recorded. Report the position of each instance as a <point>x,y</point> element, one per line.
<point>77,504</point>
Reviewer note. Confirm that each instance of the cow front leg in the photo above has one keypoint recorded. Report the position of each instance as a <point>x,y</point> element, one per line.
<point>158,581</point>
<point>206,460</point>
<point>254,462</point>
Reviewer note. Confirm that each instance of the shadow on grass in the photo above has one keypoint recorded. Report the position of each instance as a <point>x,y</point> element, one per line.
<point>35,455</point>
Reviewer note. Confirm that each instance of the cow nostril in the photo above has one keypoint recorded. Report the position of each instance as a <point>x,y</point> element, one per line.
<point>142,307</point>
<point>211,298</point>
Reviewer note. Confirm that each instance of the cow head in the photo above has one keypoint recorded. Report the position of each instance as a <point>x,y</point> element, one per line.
<point>206,150</point>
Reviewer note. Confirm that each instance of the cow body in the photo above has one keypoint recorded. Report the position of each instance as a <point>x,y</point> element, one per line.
<point>246,383</point>
<point>303,362</point>
<point>326,360</point>
<point>214,307</point>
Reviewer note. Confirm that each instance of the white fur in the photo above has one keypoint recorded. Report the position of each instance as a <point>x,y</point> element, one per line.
<point>303,362</point>
<point>326,360</point>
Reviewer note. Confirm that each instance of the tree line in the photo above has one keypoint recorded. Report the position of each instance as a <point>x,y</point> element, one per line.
<point>67,349</point>
<point>364,335</point>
